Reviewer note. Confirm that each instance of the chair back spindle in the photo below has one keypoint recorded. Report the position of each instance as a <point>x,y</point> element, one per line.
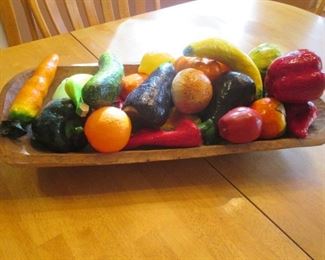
<point>320,7</point>
<point>82,13</point>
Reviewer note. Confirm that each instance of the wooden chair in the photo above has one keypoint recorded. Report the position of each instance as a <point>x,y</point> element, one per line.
<point>320,7</point>
<point>54,17</point>
<point>9,20</point>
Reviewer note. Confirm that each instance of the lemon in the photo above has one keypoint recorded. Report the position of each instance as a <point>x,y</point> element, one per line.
<point>227,53</point>
<point>151,61</point>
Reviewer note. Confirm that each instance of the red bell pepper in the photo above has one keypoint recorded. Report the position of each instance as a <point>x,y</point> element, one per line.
<point>300,117</point>
<point>295,77</point>
<point>186,134</point>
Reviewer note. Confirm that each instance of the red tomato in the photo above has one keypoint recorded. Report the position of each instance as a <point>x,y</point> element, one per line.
<point>240,125</point>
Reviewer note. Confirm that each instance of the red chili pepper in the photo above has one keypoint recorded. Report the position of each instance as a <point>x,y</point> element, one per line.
<point>300,117</point>
<point>295,77</point>
<point>186,134</point>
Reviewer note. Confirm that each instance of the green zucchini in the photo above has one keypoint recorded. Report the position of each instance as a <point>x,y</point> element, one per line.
<point>103,88</point>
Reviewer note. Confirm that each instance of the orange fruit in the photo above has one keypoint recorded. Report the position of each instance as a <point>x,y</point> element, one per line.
<point>131,82</point>
<point>273,117</point>
<point>108,129</point>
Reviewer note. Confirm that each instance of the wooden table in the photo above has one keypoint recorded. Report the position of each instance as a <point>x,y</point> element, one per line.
<point>265,205</point>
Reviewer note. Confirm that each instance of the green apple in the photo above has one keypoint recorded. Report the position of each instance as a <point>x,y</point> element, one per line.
<point>263,55</point>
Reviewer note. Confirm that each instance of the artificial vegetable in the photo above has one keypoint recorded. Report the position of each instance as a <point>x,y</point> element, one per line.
<point>186,134</point>
<point>273,116</point>
<point>103,87</point>
<point>300,117</point>
<point>150,104</point>
<point>191,91</point>
<point>73,89</point>
<point>240,125</point>
<point>295,77</point>
<point>131,82</point>
<point>58,128</point>
<point>231,90</point>
<point>29,100</point>
<point>175,116</point>
<point>152,60</point>
<point>229,54</point>
<point>263,55</point>
<point>208,131</point>
<point>210,67</point>
<point>80,78</point>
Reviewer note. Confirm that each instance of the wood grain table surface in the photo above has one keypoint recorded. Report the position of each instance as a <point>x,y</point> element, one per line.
<point>263,205</point>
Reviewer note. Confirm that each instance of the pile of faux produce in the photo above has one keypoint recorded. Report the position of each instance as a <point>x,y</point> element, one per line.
<point>213,94</point>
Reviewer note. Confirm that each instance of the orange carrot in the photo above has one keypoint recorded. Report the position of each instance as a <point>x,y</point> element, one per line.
<point>29,99</point>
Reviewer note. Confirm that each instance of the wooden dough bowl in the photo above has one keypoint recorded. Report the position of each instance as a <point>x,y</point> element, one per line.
<point>21,152</point>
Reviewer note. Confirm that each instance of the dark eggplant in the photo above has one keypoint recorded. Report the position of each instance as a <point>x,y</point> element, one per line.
<point>149,104</point>
<point>233,89</point>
